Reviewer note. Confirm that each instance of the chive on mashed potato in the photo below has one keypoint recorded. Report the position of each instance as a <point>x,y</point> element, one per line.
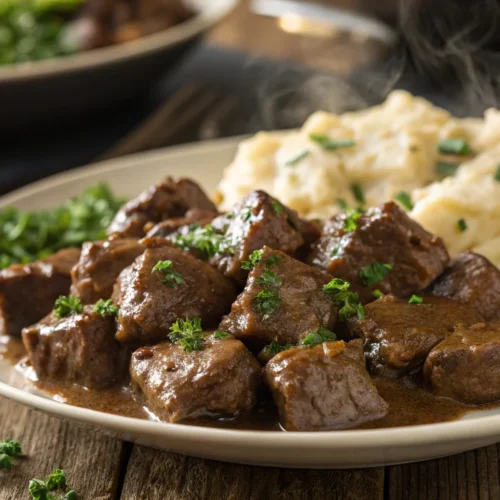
<point>442,168</point>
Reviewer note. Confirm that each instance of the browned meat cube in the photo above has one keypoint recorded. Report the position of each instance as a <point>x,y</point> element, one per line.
<point>283,299</point>
<point>382,249</point>
<point>399,335</point>
<point>324,387</point>
<point>466,366</point>
<point>80,348</point>
<point>474,280</point>
<point>152,297</point>
<point>169,199</point>
<point>222,378</point>
<point>28,292</point>
<point>99,266</point>
<point>169,226</point>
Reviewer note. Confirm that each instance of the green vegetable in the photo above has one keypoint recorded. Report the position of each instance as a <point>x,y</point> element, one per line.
<point>405,199</point>
<point>415,299</point>
<point>318,337</point>
<point>342,204</point>
<point>268,278</point>
<point>298,158</point>
<point>274,348</point>
<point>28,236</point>
<point>8,450</point>
<point>331,144</point>
<point>67,305</point>
<point>446,169</point>
<point>350,223</point>
<point>204,239</point>
<point>266,302</point>
<point>170,277</point>
<point>273,260</point>
<point>187,334</point>
<point>253,260</point>
<point>497,174</point>
<point>40,489</point>
<point>377,294</point>
<point>335,251</point>
<point>221,335</point>
<point>374,273</point>
<point>462,225</point>
<point>277,207</point>
<point>346,301</point>
<point>358,193</point>
<point>454,147</point>
<point>106,308</point>
<point>246,214</point>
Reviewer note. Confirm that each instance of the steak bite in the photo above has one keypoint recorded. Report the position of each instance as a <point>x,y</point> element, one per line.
<point>163,284</point>
<point>472,279</point>
<point>324,387</point>
<point>466,366</point>
<point>79,348</point>
<point>99,266</point>
<point>381,249</point>
<point>28,291</point>
<point>166,200</point>
<point>169,226</point>
<point>399,335</point>
<point>221,378</point>
<point>283,300</point>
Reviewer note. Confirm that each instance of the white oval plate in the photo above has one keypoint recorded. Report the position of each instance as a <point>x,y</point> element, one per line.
<point>338,449</point>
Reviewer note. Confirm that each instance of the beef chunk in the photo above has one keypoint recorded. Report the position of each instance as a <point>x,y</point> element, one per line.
<point>474,280</point>
<point>222,378</point>
<point>28,292</point>
<point>99,266</point>
<point>80,348</point>
<point>169,226</point>
<point>257,221</point>
<point>151,301</point>
<point>398,335</point>
<point>466,366</point>
<point>300,305</point>
<point>383,235</point>
<point>324,387</point>
<point>169,199</point>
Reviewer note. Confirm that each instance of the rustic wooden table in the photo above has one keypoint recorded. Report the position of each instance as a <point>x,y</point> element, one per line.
<point>100,467</point>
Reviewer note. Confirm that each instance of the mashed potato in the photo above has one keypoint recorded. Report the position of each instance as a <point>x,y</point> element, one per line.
<point>390,149</point>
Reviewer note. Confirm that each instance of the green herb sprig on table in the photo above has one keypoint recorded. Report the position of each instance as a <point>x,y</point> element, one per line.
<point>187,334</point>
<point>9,449</point>
<point>41,489</point>
<point>28,236</point>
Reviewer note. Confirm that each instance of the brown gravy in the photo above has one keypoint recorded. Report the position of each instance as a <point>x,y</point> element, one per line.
<point>409,404</point>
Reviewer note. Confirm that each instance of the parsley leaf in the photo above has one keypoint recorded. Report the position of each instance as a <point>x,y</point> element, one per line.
<point>415,299</point>
<point>405,199</point>
<point>277,207</point>
<point>40,489</point>
<point>350,222</point>
<point>342,204</point>
<point>377,294</point>
<point>374,273</point>
<point>221,335</point>
<point>106,308</point>
<point>446,169</point>
<point>462,225</point>
<point>358,193</point>
<point>331,144</point>
<point>266,302</point>
<point>273,260</point>
<point>497,174</point>
<point>318,337</point>
<point>67,305</point>
<point>454,147</point>
<point>253,260</point>
<point>171,277</point>
<point>268,278</point>
<point>204,239</point>
<point>187,334</point>
<point>298,158</point>
<point>346,301</point>
<point>274,348</point>
<point>8,450</point>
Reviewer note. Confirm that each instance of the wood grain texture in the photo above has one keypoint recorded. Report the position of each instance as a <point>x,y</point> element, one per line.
<point>155,475</point>
<point>91,460</point>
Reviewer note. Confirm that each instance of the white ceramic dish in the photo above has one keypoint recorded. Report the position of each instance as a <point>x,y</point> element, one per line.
<point>356,448</point>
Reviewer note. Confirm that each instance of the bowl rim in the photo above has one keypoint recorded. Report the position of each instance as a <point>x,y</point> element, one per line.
<point>211,12</point>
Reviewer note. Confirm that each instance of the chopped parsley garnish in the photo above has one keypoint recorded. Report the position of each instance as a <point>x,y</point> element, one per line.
<point>377,293</point>
<point>274,348</point>
<point>335,251</point>
<point>497,174</point>
<point>462,225</point>
<point>204,239</point>
<point>246,214</point>
<point>342,204</point>
<point>405,199</point>
<point>8,450</point>
<point>29,236</point>
<point>106,308</point>
<point>415,299</point>
<point>253,260</point>
<point>350,222</point>
<point>454,147</point>
<point>170,277</point>
<point>268,278</point>
<point>318,337</point>
<point>221,335</point>
<point>66,305</point>
<point>277,207</point>
<point>374,273</point>
<point>298,158</point>
<point>40,489</point>
<point>187,334</point>
<point>273,260</point>
<point>347,302</point>
<point>266,302</point>
<point>446,169</point>
<point>331,144</point>
<point>358,193</point>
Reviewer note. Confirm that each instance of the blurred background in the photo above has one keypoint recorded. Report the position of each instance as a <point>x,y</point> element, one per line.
<point>84,80</point>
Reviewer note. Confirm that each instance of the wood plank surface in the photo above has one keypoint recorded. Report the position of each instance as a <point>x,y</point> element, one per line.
<point>92,461</point>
